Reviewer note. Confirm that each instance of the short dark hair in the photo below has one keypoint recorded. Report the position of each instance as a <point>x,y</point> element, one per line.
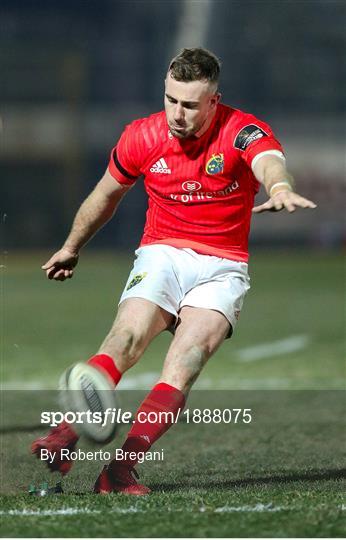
<point>196,64</point>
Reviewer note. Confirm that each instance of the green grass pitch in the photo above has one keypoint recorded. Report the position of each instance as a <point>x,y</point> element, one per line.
<point>282,475</point>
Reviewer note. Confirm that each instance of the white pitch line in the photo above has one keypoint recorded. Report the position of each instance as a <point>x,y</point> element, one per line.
<point>130,510</point>
<point>61,512</point>
<point>68,512</point>
<point>133,510</point>
<point>274,348</point>
<point>247,508</point>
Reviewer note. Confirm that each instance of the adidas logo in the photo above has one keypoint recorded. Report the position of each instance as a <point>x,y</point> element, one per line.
<point>160,167</point>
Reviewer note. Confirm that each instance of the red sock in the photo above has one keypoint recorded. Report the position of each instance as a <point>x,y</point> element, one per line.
<point>162,398</point>
<point>105,363</point>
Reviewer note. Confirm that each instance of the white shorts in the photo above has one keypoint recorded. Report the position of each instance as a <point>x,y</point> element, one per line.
<point>175,277</point>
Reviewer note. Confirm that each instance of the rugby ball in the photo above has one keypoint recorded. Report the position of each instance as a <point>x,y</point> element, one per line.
<point>87,396</point>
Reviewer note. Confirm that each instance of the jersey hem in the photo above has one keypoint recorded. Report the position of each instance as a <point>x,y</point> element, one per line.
<point>203,249</point>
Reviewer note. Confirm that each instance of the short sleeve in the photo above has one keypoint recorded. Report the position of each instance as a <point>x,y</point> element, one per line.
<point>125,162</point>
<point>255,138</point>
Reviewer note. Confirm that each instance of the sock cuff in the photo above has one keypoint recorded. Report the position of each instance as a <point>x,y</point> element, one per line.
<point>106,363</point>
<point>165,386</point>
<point>170,394</point>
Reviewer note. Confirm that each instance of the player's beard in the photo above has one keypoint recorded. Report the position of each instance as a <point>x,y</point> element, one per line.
<point>185,132</point>
<point>182,132</point>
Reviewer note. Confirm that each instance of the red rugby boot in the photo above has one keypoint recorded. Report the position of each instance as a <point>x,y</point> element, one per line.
<point>59,437</point>
<point>119,478</point>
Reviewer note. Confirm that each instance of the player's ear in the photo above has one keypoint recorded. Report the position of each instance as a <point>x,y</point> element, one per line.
<point>214,100</point>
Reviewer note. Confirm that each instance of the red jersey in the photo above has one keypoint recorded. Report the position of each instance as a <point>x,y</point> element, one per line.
<point>201,190</point>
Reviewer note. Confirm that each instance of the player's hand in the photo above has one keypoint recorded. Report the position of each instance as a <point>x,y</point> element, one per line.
<point>284,200</point>
<point>60,266</point>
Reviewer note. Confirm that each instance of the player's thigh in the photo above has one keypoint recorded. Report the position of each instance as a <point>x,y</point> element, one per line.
<point>144,316</point>
<point>137,322</point>
<point>198,335</point>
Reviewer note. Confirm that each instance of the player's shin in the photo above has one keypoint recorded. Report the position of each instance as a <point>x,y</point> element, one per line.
<point>159,410</point>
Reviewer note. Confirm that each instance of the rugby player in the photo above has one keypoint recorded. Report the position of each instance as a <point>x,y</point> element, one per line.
<point>203,163</point>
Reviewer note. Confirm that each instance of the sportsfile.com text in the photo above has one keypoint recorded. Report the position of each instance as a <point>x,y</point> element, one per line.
<point>118,416</point>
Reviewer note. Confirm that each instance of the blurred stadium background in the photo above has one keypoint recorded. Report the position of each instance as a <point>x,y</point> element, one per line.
<point>75,72</point>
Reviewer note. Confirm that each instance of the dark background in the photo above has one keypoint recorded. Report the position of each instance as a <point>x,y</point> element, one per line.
<point>74,73</point>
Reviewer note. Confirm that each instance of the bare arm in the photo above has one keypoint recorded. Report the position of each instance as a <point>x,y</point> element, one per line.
<point>279,184</point>
<point>95,211</point>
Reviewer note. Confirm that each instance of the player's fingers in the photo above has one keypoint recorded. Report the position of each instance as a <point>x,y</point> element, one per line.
<point>257,209</point>
<point>47,265</point>
<point>56,274</point>
<point>50,272</point>
<point>300,202</point>
<point>278,205</point>
<point>263,207</point>
<point>60,276</point>
<point>307,204</point>
<point>289,206</point>
<point>55,259</point>
<point>68,273</point>
<point>61,258</point>
<point>284,200</point>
